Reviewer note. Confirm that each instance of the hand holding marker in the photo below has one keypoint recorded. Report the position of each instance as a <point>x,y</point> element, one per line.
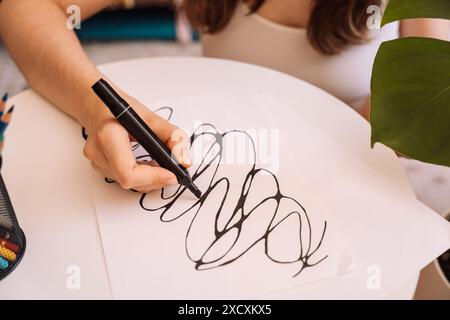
<point>143,134</point>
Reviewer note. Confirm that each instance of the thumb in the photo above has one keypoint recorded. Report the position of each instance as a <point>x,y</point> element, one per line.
<point>156,178</point>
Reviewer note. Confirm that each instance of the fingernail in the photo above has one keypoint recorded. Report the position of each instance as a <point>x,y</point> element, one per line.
<point>187,157</point>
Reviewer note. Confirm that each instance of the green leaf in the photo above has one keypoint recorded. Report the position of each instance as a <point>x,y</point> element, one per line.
<point>411,98</point>
<point>407,9</point>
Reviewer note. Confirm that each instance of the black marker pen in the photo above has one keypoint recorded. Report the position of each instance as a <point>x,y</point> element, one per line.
<point>136,127</point>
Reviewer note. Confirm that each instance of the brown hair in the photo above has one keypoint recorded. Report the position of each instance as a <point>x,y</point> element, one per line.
<point>333,24</point>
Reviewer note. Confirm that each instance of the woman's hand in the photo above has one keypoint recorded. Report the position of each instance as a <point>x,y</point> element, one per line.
<point>108,147</point>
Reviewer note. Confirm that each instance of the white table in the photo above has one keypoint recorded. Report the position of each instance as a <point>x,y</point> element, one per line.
<point>48,179</point>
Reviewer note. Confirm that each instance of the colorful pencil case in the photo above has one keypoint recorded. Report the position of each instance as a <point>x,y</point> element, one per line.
<point>12,238</point>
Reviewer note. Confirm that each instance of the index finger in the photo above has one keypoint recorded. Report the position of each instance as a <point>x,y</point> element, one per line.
<point>176,139</point>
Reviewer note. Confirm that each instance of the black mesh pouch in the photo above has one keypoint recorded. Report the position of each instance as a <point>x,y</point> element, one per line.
<point>12,238</point>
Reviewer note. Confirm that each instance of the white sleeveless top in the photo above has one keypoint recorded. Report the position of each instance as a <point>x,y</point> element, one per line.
<point>255,39</point>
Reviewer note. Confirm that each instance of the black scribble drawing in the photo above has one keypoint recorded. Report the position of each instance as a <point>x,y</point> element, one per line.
<point>233,234</point>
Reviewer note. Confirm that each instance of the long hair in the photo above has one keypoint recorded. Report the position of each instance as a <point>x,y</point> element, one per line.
<point>333,24</point>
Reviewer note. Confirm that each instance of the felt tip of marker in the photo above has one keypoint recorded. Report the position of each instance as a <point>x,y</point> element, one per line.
<point>5,97</point>
<point>196,191</point>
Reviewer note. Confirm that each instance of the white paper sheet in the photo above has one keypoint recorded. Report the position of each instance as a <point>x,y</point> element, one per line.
<point>386,230</point>
<point>48,183</point>
<point>156,253</point>
<point>383,227</point>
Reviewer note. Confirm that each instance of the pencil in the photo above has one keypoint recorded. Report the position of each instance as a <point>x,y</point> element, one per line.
<point>9,245</point>
<point>3,264</point>
<point>7,254</point>
<point>4,122</point>
<point>6,117</point>
<point>2,111</point>
<point>3,104</point>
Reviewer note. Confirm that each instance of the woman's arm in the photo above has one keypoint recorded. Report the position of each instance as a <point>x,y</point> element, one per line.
<point>47,52</point>
<point>55,65</point>
<point>428,28</point>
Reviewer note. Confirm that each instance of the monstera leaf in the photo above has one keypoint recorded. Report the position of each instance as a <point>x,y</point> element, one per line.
<point>411,88</point>
<point>406,9</point>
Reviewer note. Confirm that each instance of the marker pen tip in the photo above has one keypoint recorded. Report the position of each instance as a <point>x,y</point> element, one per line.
<point>196,191</point>
<point>198,194</point>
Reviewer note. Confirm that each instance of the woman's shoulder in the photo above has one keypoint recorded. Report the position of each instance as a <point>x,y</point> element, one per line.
<point>388,32</point>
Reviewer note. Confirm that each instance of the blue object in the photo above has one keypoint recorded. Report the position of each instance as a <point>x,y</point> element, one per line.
<point>3,264</point>
<point>137,24</point>
<point>4,125</point>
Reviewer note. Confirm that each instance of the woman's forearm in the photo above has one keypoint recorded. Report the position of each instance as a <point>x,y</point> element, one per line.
<point>53,61</point>
<point>48,53</point>
<point>429,28</point>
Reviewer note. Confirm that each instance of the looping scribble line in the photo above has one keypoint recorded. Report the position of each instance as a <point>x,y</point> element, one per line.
<point>238,218</point>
